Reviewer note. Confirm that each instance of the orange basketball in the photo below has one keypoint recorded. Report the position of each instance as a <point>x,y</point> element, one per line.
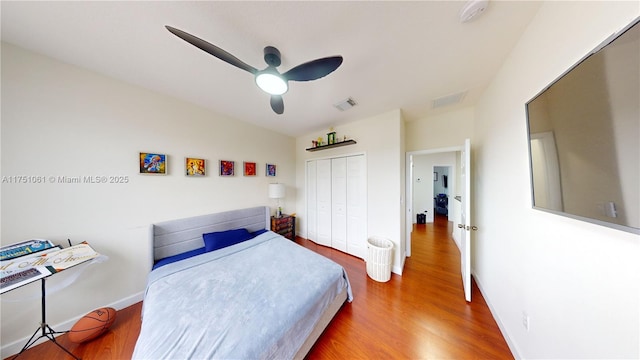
<point>92,325</point>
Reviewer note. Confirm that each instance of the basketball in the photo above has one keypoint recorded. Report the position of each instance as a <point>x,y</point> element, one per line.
<point>92,325</point>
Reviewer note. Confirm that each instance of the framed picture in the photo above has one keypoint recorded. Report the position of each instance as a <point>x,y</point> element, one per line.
<point>153,163</point>
<point>226,168</point>
<point>194,167</point>
<point>270,170</point>
<point>250,169</point>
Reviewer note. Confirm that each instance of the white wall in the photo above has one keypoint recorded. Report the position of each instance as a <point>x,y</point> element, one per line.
<point>440,131</point>
<point>578,282</point>
<point>380,138</point>
<point>60,120</point>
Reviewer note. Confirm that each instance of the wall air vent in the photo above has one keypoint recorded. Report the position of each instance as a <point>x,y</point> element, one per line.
<point>448,100</point>
<point>345,104</point>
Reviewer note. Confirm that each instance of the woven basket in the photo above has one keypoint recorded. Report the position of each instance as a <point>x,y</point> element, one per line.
<point>379,253</point>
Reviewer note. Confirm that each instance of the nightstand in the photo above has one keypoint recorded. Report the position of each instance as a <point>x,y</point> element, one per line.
<point>285,226</point>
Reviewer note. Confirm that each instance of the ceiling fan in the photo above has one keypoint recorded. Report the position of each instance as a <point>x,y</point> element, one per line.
<point>269,79</point>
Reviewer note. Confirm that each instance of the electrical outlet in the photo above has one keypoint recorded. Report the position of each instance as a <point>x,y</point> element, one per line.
<point>525,321</point>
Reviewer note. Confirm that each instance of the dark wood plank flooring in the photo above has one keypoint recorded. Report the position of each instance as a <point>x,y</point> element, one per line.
<point>420,315</point>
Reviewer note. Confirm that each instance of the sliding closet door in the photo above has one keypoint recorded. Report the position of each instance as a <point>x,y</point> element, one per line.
<point>339,204</point>
<point>356,193</point>
<point>323,191</point>
<point>312,202</point>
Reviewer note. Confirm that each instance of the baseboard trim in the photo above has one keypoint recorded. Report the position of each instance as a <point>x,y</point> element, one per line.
<point>397,269</point>
<point>512,346</point>
<point>15,347</point>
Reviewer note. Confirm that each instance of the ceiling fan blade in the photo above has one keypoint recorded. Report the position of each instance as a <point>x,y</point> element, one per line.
<point>277,104</point>
<point>314,69</point>
<point>211,49</point>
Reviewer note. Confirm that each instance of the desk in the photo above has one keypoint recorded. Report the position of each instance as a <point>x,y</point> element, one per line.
<point>53,262</point>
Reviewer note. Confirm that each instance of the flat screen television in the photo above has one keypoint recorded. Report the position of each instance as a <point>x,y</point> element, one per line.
<point>584,137</point>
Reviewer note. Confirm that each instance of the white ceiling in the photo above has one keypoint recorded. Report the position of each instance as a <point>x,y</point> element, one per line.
<point>397,55</point>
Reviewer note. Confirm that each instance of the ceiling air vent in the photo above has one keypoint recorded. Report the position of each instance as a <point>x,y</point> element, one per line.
<point>345,104</point>
<point>448,100</point>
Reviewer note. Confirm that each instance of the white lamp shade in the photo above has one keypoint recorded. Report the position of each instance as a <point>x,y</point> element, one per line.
<point>276,191</point>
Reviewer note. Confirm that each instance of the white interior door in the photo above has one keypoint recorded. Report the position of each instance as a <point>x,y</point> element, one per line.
<point>339,204</point>
<point>323,191</point>
<point>357,206</point>
<point>465,220</point>
<point>312,202</point>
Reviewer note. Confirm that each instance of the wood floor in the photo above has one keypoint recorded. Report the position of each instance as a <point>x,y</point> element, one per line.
<point>419,315</point>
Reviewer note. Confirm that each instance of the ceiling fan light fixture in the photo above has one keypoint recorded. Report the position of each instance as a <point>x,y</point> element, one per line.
<point>268,80</point>
<point>271,82</point>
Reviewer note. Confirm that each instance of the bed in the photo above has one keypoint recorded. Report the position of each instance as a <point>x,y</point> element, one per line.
<point>264,297</point>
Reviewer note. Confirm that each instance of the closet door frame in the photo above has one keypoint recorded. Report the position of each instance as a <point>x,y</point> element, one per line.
<point>361,227</point>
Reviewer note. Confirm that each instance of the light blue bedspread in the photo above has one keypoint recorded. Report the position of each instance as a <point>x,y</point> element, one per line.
<point>259,299</point>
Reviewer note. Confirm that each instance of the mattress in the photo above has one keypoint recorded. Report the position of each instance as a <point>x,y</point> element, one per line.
<point>260,299</point>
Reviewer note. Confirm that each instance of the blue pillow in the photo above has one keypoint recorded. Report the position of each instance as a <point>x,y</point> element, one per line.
<point>218,240</point>
<point>256,233</point>
<point>182,256</point>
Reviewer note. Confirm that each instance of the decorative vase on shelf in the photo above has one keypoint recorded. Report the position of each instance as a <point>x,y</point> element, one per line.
<point>331,138</point>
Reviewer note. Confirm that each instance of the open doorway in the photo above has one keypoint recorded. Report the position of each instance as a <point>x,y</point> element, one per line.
<point>441,192</point>
<point>425,181</point>
<point>430,194</point>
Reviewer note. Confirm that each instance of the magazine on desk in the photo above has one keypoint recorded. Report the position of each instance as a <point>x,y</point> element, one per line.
<point>24,248</point>
<point>18,278</point>
<point>23,270</point>
<point>12,266</point>
<point>69,257</point>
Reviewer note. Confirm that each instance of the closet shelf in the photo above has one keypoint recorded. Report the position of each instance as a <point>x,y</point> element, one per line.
<point>329,146</point>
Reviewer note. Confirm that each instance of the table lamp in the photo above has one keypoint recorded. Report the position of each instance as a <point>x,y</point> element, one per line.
<point>277,191</point>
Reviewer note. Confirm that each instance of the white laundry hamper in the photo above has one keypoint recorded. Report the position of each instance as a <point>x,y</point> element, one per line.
<point>379,253</point>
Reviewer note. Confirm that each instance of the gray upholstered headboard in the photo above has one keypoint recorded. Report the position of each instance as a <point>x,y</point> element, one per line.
<point>177,236</point>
